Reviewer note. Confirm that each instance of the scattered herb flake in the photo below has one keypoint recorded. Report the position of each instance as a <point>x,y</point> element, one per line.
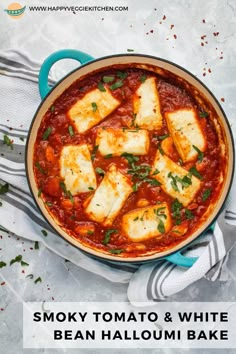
<point>7,141</point>
<point>2,264</point>
<point>44,232</point>
<point>91,188</point>
<point>116,85</point>
<point>135,219</point>
<point>160,149</point>
<point>90,232</point>
<point>206,194</point>
<point>30,276</point>
<point>48,204</point>
<point>107,236</point>
<point>161,226</point>
<point>189,215</point>
<point>39,192</point>
<point>181,162</point>
<point>108,79</point>
<point>116,251</point>
<point>22,139</point>
<point>36,245</point>
<point>71,197</point>
<point>108,156</point>
<point>121,75</point>
<point>195,172</point>
<point>143,78</point>
<point>37,164</point>
<point>176,207</point>
<point>17,259</point>
<point>101,87</point>
<point>200,153</point>
<point>0,204</point>
<point>52,108</point>
<point>71,130</point>
<point>162,137</point>
<point>100,171</point>
<point>130,157</point>
<point>95,149</point>
<point>4,188</point>
<point>156,172</point>
<point>24,263</point>
<point>63,187</point>
<point>38,280</point>
<point>94,106</point>
<point>130,50</point>
<point>47,133</point>
<point>203,114</point>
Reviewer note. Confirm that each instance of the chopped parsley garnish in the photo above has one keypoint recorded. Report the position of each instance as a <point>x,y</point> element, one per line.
<point>100,171</point>
<point>108,156</point>
<point>116,85</point>
<point>160,149</point>
<point>63,187</point>
<point>101,87</point>
<point>206,194</point>
<point>4,188</point>
<point>38,280</point>
<point>39,192</point>
<point>162,137</point>
<point>7,141</point>
<point>17,259</point>
<point>36,245</point>
<point>161,226</point>
<point>121,75</point>
<point>181,162</point>
<point>93,154</point>
<point>135,219</point>
<point>173,182</point>
<point>48,204</point>
<point>130,50</point>
<point>37,164</point>
<point>94,106</point>
<point>71,197</point>
<point>176,207</point>
<point>71,130</point>
<point>107,236</point>
<point>189,215</point>
<point>91,188</point>
<point>155,172</point>
<point>200,153</point>
<point>90,232</point>
<point>52,108</point>
<point>108,78</point>
<point>30,276</point>
<point>47,133</point>
<point>143,78</point>
<point>130,157</point>
<point>22,139</point>
<point>203,114</point>
<point>195,172</point>
<point>116,251</point>
<point>44,232</point>
<point>2,264</point>
<point>24,263</point>
<point>152,182</point>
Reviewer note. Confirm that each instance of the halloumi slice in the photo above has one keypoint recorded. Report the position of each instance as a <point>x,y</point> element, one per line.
<point>92,108</point>
<point>186,133</point>
<point>145,223</point>
<point>118,141</point>
<point>77,170</point>
<point>168,170</point>
<point>109,197</point>
<point>147,105</point>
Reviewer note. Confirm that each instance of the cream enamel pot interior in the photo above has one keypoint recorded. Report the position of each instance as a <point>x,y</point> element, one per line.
<point>89,65</point>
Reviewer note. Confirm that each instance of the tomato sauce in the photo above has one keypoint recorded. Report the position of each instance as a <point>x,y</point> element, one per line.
<point>70,213</point>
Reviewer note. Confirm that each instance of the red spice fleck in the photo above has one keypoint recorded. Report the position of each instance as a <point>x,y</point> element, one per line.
<point>220,57</point>
<point>147,33</point>
<point>102,19</point>
<point>167,39</point>
<point>144,24</point>
<point>172,26</point>
<point>49,289</point>
<point>23,250</point>
<point>9,236</point>
<point>151,31</point>
<point>164,17</point>
<point>206,42</point>
<point>31,248</point>
<point>160,22</point>
<point>3,283</point>
<point>222,99</point>
<point>203,21</point>
<point>1,309</point>
<point>209,70</point>
<point>18,238</point>
<point>202,44</point>
<point>204,36</point>
<point>10,128</point>
<point>155,9</point>
<point>0,236</point>
<point>23,271</point>
<point>216,34</point>
<point>174,36</point>
<point>204,74</point>
<point>52,298</point>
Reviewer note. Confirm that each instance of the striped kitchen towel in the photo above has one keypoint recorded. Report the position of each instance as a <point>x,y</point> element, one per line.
<point>19,214</point>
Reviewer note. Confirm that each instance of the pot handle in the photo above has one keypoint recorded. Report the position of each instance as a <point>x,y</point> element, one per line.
<point>82,58</point>
<point>183,261</point>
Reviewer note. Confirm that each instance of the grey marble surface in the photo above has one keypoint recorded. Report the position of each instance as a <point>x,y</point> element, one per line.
<point>202,40</point>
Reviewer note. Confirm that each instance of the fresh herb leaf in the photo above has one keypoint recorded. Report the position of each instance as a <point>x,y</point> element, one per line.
<point>101,87</point>
<point>181,162</point>
<point>94,106</point>
<point>176,207</point>
<point>162,137</point>
<point>116,251</point>
<point>22,139</point>
<point>107,236</point>
<point>200,153</point>
<point>130,50</point>
<point>100,171</point>
<point>37,164</point>
<point>135,219</point>
<point>121,75</point>
<point>71,197</point>
<point>203,114</point>
<point>47,133</point>
<point>17,259</point>
<point>7,141</point>
<point>63,187</point>
<point>156,172</point>
<point>30,276</point>
<point>108,78</point>
<point>24,263</point>
<point>185,181</point>
<point>206,194</point>
<point>130,157</point>
<point>38,280</point>
<point>44,232</point>
<point>116,85</point>
<point>160,149</point>
<point>4,188</point>
<point>36,245</point>
<point>52,108</point>
<point>161,226</point>
<point>95,149</point>
<point>195,172</point>
<point>48,204</point>
<point>90,232</point>
<point>108,156</point>
<point>173,182</point>
<point>152,182</point>
<point>39,192</point>
<point>189,215</point>
<point>71,130</point>
<point>2,264</point>
<point>91,188</point>
<point>143,78</point>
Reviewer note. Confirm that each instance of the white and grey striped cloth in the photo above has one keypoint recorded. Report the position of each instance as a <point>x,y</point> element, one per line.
<point>19,214</point>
